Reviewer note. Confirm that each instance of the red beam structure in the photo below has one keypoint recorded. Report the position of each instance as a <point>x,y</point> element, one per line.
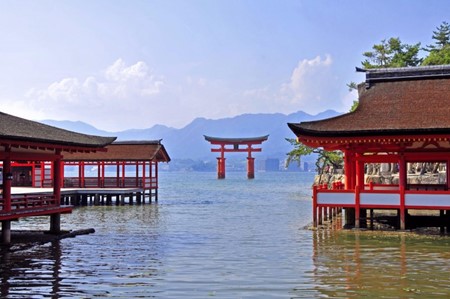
<point>125,164</point>
<point>233,145</point>
<point>25,142</point>
<point>402,118</point>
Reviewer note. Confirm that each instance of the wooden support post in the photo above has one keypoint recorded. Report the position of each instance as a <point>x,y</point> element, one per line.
<point>6,232</point>
<point>314,206</point>
<point>138,198</point>
<point>447,221</point>
<point>96,199</point>
<point>320,219</point>
<point>402,186</point>
<point>357,208</point>
<point>220,168</point>
<point>371,219</point>
<point>55,223</point>
<point>250,168</point>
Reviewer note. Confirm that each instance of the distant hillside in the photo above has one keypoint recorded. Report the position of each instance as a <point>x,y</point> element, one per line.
<point>189,143</point>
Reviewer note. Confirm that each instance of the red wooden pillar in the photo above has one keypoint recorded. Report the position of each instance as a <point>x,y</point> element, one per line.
<point>447,165</point>
<point>123,173</point>
<point>220,168</point>
<point>402,186</point>
<point>250,168</point>
<point>156,181</point>
<point>314,206</point>
<point>57,177</point>
<point>55,219</point>
<point>359,186</point>
<point>81,169</point>
<point>7,180</point>
<point>102,183</point>
<point>144,163</point>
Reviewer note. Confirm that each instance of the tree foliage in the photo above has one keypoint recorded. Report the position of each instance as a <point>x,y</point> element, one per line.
<point>439,53</point>
<point>441,37</point>
<point>325,158</point>
<point>392,53</point>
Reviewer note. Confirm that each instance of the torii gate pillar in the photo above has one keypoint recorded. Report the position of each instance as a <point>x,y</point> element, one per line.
<point>235,143</point>
<point>250,168</point>
<point>220,168</point>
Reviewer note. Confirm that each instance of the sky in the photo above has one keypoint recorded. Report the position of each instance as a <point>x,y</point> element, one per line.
<point>132,64</point>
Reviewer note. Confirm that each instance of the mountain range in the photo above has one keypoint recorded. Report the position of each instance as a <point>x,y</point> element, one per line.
<point>189,143</point>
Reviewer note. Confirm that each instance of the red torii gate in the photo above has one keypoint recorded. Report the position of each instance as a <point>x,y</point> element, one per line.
<point>235,143</point>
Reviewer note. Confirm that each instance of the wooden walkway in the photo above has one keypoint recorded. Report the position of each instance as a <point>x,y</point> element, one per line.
<point>92,196</point>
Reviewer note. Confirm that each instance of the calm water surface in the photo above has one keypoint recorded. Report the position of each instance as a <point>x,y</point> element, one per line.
<point>232,238</point>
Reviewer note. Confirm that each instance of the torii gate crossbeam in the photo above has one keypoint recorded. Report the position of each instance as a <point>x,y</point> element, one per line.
<point>234,145</point>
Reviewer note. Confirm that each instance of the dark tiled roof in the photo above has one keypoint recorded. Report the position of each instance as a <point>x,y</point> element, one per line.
<point>126,151</point>
<point>397,104</point>
<point>236,140</point>
<point>19,129</point>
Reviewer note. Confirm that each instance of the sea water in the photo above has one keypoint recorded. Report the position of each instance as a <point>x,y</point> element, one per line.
<point>231,238</point>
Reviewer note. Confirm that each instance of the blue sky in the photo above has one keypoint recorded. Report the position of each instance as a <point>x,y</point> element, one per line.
<point>133,64</point>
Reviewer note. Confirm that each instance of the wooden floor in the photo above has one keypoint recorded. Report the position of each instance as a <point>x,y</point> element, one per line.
<point>93,196</point>
<point>31,190</point>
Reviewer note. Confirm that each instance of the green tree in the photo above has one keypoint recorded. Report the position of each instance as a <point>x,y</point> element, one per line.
<point>440,50</point>
<point>324,159</point>
<point>441,37</point>
<point>392,53</point>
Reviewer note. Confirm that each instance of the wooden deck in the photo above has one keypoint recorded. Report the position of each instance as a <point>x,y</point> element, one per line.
<point>90,196</point>
<point>327,202</point>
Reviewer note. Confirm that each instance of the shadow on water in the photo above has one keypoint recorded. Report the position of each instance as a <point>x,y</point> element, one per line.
<point>380,264</point>
<point>30,273</point>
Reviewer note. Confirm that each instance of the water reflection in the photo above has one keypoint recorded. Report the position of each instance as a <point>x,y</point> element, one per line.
<point>26,274</point>
<point>123,264</point>
<point>399,265</point>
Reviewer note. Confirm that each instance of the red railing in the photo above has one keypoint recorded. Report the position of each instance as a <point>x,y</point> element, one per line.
<point>29,202</point>
<point>112,182</point>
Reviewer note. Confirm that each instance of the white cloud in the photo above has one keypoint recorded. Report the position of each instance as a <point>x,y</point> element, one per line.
<point>312,87</point>
<point>103,99</point>
<point>126,96</point>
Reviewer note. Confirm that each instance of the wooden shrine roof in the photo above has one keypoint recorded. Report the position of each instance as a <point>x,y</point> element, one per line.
<point>392,102</point>
<point>236,140</point>
<point>26,132</point>
<point>152,150</point>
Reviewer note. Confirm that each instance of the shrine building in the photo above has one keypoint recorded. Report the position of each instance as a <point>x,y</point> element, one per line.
<point>24,141</point>
<point>125,164</point>
<point>403,117</point>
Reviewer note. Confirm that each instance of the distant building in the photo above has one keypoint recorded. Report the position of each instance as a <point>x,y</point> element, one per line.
<point>305,166</point>
<point>272,164</point>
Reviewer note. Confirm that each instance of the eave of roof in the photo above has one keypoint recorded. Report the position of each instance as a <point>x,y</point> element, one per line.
<point>19,130</point>
<point>126,151</point>
<point>236,140</point>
